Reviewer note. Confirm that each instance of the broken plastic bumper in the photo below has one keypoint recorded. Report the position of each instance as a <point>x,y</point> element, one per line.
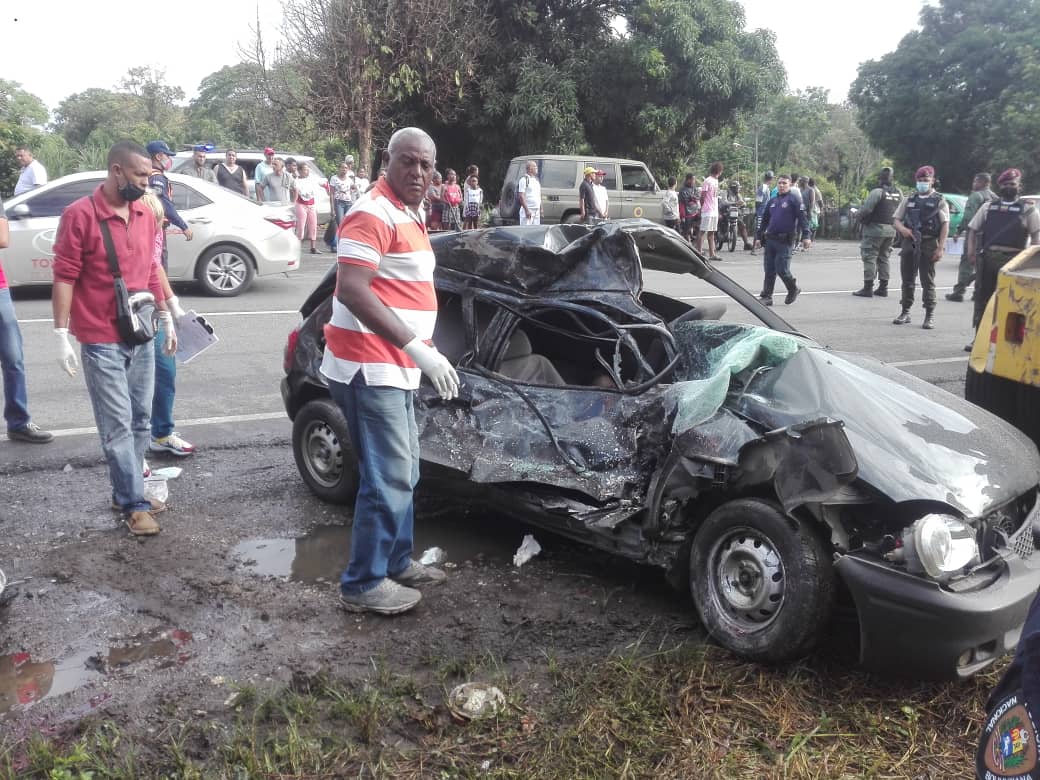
<point>917,628</point>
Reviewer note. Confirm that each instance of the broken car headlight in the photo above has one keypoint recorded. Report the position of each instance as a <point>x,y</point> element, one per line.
<point>941,545</point>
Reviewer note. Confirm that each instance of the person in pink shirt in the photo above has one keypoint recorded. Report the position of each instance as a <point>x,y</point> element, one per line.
<point>710,209</point>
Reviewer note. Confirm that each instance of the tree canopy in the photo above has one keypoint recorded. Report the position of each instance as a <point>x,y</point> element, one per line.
<point>960,94</point>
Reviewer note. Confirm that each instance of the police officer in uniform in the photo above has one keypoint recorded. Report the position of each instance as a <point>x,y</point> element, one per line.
<point>999,231</point>
<point>1007,747</point>
<point>878,235</point>
<point>783,220</point>
<point>980,193</point>
<point>923,220</point>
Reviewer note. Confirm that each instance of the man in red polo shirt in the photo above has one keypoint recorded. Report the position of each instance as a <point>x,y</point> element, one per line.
<point>119,377</point>
<point>377,345</point>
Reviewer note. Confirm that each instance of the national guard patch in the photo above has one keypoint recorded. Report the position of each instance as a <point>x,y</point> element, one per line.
<point>1007,749</point>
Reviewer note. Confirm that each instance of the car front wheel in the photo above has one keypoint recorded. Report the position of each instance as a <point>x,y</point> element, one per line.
<point>323,452</point>
<point>225,270</point>
<point>762,581</point>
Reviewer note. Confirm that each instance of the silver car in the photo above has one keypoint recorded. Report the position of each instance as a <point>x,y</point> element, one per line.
<point>234,239</point>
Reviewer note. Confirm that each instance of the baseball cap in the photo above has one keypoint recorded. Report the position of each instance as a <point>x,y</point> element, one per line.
<point>769,175</point>
<point>158,147</point>
<point>268,150</point>
<point>589,169</point>
<point>349,159</point>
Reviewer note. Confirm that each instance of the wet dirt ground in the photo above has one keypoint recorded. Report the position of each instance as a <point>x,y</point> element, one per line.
<point>240,589</point>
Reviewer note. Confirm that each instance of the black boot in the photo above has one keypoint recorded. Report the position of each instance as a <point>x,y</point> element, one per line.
<point>929,319</point>
<point>766,298</point>
<point>956,296</point>
<point>792,290</point>
<point>882,288</point>
<point>867,290</point>
<point>903,318</point>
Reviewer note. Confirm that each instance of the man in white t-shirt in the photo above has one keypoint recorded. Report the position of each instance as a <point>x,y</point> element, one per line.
<point>600,191</point>
<point>529,193</point>
<point>710,209</point>
<point>33,173</point>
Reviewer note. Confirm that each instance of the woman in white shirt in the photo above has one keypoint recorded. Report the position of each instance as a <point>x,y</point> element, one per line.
<point>304,189</point>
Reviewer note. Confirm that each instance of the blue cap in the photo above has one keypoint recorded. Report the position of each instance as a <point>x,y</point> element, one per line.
<point>158,147</point>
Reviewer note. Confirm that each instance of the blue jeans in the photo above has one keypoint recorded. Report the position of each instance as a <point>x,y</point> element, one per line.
<point>342,207</point>
<point>165,387</point>
<point>777,262</point>
<point>383,431</point>
<point>16,411</point>
<point>119,380</point>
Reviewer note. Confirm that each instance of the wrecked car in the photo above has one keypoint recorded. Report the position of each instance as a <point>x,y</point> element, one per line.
<point>772,477</point>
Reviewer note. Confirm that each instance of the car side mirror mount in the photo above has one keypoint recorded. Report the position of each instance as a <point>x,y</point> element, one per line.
<point>21,211</point>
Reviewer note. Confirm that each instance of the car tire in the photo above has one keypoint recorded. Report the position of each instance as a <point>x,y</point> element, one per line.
<point>323,452</point>
<point>225,270</point>
<point>993,393</point>
<point>761,580</point>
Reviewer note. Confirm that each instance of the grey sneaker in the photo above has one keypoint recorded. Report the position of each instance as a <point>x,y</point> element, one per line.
<point>386,598</point>
<point>31,433</point>
<point>419,574</point>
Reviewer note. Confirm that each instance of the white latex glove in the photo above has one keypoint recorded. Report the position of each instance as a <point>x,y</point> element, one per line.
<point>170,344</point>
<point>173,303</point>
<point>66,354</point>
<point>436,367</point>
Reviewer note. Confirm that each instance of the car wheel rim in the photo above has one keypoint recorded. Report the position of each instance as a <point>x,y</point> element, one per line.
<point>226,271</point>
<point>747,579</point>
<point>323,454</point>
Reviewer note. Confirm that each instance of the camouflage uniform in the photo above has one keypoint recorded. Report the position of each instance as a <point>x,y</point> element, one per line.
<point>878,235</point>
<point>966,269</point>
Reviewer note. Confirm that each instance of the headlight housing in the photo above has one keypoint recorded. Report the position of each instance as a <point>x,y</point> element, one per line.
<point>940,546</point>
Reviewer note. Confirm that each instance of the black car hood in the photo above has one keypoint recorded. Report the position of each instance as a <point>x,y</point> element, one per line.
<point>912,440</point>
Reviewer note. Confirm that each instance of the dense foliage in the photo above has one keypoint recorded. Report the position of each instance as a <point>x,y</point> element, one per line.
<point>674,82</point>
<point>961,93</point>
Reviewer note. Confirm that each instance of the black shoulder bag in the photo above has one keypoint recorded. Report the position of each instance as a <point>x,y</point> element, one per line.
<point>136,313</point>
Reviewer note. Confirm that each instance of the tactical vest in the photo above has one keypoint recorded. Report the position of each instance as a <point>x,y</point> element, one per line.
<point>922,213</point>
<point>886,207</point>
<point>1005,225</point>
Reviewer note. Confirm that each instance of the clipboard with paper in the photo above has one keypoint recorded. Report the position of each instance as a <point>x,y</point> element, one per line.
<point>194,336</point>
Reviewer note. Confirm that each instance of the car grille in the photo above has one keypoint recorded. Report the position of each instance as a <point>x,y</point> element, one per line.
<point>1011,527</point>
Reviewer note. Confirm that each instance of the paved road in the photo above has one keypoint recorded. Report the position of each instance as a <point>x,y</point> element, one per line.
<point>230,395</point>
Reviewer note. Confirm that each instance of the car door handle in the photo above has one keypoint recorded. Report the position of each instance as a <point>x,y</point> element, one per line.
<point>200,221</point>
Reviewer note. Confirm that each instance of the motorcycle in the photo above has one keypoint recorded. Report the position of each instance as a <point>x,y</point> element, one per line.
<point>729,228</point>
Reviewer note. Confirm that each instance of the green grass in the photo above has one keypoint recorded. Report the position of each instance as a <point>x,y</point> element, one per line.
<point>684,712</point>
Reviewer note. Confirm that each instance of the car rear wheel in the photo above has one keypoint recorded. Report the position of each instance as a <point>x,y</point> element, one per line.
<point>225,270</point>
<point>993,393</point>
<point>323,452</point>
<point>762,581</point>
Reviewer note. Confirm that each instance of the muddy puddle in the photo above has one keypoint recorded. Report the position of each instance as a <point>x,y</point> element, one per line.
<point>25,681</point>
<point>322,553</point>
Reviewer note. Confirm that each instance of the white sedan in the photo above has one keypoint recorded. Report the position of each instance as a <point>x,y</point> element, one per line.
<point>234,239</point>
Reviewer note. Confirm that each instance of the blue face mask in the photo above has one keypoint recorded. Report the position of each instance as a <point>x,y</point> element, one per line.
<point>923,187</point>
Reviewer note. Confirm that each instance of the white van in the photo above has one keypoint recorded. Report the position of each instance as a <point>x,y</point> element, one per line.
<point>631,187</point>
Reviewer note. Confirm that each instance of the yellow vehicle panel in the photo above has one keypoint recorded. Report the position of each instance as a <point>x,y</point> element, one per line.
<point>1008,341</point>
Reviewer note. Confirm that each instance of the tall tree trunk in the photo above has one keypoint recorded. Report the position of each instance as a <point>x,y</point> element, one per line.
<point>364,132</point>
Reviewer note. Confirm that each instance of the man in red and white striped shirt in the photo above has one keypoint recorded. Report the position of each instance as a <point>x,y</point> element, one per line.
<point>377,346</point>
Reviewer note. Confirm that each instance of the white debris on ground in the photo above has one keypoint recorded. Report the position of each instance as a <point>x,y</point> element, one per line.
<point>529,548</point>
